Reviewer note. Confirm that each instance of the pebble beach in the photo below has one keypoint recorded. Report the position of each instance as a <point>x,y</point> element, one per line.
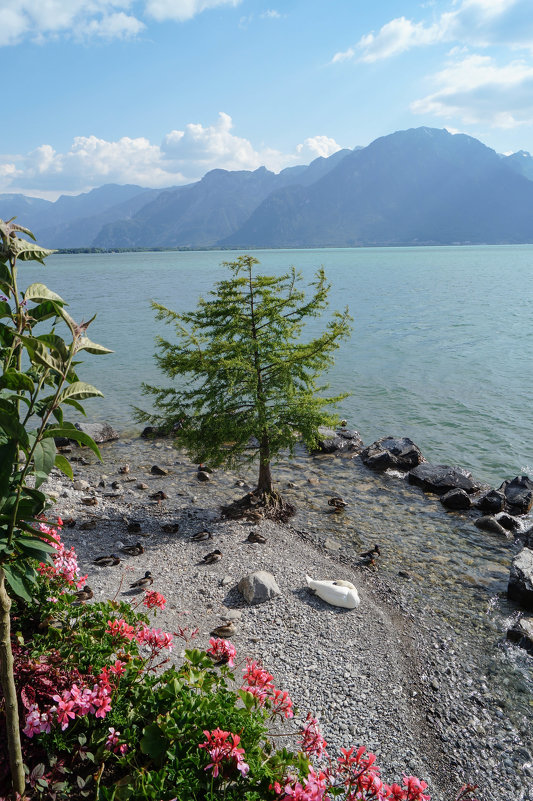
<point>381,675</point>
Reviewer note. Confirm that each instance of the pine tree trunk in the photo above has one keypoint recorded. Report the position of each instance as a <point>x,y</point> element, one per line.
<point>264,483</point>
<point>10,695</point>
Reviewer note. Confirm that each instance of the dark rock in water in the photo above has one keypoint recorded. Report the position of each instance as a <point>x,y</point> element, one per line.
<point>342,440</point>
<point>441,478</point>
<point>518,495</point>
<point>158,471</point>
<point>456,499</point>
<point>491,502</point>
<point>99,432</point>
<point>522,633</point>
<point>527,536</point>
<point>520,587</point>
<point>397,453</point>
<point>154,432</point>
<point>489,523</point>
<point>62,442</point>
<point>509,522</point>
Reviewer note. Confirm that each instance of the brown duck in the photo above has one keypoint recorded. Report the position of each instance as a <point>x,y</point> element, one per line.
<point>212,557</point>
<point>145,581</point>
<point>133,550</point>
<point>107,561</point>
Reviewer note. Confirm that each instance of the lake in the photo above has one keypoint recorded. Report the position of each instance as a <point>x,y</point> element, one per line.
<point>441,349</point>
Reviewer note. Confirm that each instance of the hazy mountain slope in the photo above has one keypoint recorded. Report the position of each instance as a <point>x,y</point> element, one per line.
<point>415,186</point>
<point>521,162</point>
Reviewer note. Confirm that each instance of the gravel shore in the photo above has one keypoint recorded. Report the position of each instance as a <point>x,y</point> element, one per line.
<point>376,675</point>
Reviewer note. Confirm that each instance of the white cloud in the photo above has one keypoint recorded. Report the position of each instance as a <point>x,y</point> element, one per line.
<point>479,23</point>
<point>476,90</point>
<point>181,10</point>
<point>270,13</point>
<point>108,19</point>
<point>184,156</point>
<point>318,146</point>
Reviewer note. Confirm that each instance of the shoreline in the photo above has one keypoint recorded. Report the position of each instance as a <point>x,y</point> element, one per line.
<point>385,675</point>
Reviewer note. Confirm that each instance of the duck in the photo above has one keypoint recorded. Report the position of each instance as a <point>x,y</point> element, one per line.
<point>225,630</point>
<point>69,522</point>
<point>368,557</point>
<point>133,550</point>
<point>83,595</point>
<point>170,528</point>
<point>256,536</point>
<point>212,557</point>
<point>337,593</point>
<point>125,469</point>
<point>159,496</point>
<point>253,514</point>
<point>107,561</point>
<point>202,536</point>
<point>145,581</point>
<point>337,503</point>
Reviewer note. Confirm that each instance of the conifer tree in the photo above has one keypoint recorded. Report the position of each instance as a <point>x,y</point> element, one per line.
<point>248,373</point>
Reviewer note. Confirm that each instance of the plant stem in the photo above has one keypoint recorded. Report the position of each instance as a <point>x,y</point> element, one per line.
<point>10,694</point>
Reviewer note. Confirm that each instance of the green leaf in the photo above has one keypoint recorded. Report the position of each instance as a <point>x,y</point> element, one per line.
<point>39,354</point>
<point>9,422</point>
<point>81,390</point>
<point>55,343</point>
<point>41,292</point>
<point>16,581</point>
<point>12,379</point>
<point>69,430</point>
<point>63,464</point>
<point>44,457</point>
<point>153,742</point>
<point>5,309</point>
<point>8,457</point>
<point>34,549</point>
<point>76,405</point>
<point>26,251</point>
<point>46,310</point>
<point>84,343</point>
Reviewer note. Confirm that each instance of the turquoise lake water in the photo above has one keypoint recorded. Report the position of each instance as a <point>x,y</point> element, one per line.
<point>441,349</point>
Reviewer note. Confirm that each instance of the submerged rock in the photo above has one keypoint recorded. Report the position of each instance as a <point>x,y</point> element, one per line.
<point>489,523</point>
<point>456,499</point>
<point>99,432</point>
<point>397,453</point>
<point>441,478</point>
<point>520,587</point>
<point>491,502</point>
<point>522,633</point>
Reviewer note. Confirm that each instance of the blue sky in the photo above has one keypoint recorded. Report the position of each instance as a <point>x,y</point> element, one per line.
<point>158,92</point>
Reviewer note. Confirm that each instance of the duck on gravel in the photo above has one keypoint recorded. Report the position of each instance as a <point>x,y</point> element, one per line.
<point>107,561</point>
<point>255,536</point>
<point>133,550</point>
<point>143,582</point>
<point>212,557</point>
<point>202,536</point>
<point>337,593</point>
<point>225,630</point>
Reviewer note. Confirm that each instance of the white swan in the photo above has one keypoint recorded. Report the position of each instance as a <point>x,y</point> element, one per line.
<point>336,593</point>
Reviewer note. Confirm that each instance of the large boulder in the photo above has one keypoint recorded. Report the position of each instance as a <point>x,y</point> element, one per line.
<point>456,500</point>
<point>441,478</point>
<point>340,440</point>
<point>518,495</point>
<point>258,587</point>
<point>398,453</point>
<point>491,502</point>
<point>520,587</point>
<point>99,432</point>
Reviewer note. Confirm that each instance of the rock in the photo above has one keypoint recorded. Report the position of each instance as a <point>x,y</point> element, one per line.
<point>509,522</point>
<point>527,536</point>
<point>518,495</point>
<point>520,587</point>
<point>155,470</point>
<point>441,478</point>
<point>332,545</point>
<point>522,633</point>
<point>90,501</point>
<point>456,499</point>
<point>258,587</point>
<point>397,453</point>
<point>99,432</point>
<point>203,476</point>
<point>489,523</point>
<point>80,484</point>
<point>88,525</point>
<point>339,441</point>
<point>491,502</point>
<point>141,486</point>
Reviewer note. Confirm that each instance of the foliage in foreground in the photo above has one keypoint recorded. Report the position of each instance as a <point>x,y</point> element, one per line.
<point>247,372</point>
<point>103,719</point>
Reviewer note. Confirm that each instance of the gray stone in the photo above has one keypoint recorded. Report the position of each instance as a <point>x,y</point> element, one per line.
<point>338,441</point>
<point>518,495</point>
<point>456,499</point>
<point>332,545</point>
<point>441,478</point>
<point>155,470</point>
<point>99,432</point>
<point>80,484</point>
<point>258,587</point>
<point>522,633</point>
<point>396,453</point>
<point>520,588</point>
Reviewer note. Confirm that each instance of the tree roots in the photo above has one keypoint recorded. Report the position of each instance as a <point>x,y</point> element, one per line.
<point>256,506</point>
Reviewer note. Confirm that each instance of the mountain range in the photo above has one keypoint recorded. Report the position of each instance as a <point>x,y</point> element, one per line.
<point>420,186</point>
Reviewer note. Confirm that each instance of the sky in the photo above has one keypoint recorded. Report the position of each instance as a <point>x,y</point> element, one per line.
<point>159,92</point>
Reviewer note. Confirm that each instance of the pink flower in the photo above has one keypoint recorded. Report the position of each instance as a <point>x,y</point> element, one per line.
<point>153,598</point>
<point>119,628</point>
<point>113,743</point>
<point>415,788</point>
<point>118,668</point>
<point>33,721</point>
<point>282,704</point>
<point>155,639</point>
<point>312,741</point>
<point>222,651</point>
<point>224,752</point>
<point>64,710</point>
<point>255,675</point>
<point>314,789</point>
